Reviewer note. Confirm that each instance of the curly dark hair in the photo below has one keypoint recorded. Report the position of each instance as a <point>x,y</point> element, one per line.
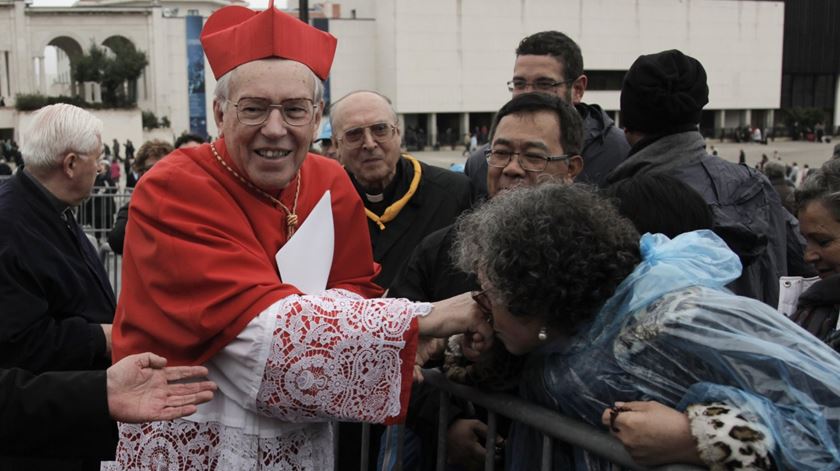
<point>571,124</point>
<point>822,185</point>
<point>187,137</point>
<point>155,149</point>
<point>557,45</point>
<point>553,251</point>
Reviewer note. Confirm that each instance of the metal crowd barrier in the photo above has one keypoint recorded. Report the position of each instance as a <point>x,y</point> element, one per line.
<point>552,425</point>
<point>96,215</point>
<point>113,266</point>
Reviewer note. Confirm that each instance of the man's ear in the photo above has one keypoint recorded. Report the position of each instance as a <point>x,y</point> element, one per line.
<point>218,114</point>
<point>319,114</point>
<point>575,166</point>
<point>70,164</point>
<point>578,89</point>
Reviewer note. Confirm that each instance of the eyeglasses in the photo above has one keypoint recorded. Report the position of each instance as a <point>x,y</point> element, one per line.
<point>255,111</point>
<point>529,161</point>
<point>543,85</point>
<point>484,304</point>
<point>380,132</point>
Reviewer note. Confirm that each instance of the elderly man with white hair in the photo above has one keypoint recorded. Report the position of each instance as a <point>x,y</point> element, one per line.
<point>57,302</point>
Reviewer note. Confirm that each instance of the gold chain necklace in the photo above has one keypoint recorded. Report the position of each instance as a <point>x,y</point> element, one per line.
<point>291,216</point>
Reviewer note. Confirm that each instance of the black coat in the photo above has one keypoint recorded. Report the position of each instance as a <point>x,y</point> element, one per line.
<point>440,198</point>
<point>116,237</point>
<point>55,415</point>
<point>818,308</point>
<point>54,290</point>
<point>430,275</point>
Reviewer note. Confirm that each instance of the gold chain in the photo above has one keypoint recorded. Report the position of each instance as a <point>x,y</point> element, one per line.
<point>291,216</point>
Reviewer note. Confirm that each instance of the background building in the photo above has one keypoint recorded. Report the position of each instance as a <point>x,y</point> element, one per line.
<point>445,62</point>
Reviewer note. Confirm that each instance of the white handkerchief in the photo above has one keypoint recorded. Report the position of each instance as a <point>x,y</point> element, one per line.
<point>306,258</point>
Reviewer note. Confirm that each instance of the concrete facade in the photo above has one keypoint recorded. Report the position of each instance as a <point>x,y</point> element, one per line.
<point>437,59</point>
<point>158,30</point>
<point>455,56</point>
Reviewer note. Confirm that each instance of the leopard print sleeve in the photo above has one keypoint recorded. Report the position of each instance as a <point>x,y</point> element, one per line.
<point>727,440</point>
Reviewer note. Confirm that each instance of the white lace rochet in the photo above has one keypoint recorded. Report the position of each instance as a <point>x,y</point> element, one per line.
<point>302,362</point>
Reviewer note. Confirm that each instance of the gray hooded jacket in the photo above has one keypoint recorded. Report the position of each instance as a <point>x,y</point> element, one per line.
<point>747,212</point>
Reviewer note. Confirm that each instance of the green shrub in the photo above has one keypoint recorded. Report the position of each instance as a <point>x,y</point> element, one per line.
<point>150,121</point>
<point>32,102</point>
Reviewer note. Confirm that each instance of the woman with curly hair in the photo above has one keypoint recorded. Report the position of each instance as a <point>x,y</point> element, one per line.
<point>608,318</point>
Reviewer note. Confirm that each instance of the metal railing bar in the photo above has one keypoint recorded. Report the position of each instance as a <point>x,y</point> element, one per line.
<point>336,438</point>
<point>560,427</point>
<point>443,425</point>
<point>364,461</point>
<point>490,443</point>
<point>547,450</point>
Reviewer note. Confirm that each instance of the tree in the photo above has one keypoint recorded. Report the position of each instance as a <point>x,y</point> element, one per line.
<point>116,75</point>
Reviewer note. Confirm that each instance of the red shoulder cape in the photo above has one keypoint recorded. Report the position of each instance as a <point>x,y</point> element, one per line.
<point>199,253</point>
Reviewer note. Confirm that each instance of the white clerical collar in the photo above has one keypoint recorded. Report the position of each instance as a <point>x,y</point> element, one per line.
<point>374,198</point>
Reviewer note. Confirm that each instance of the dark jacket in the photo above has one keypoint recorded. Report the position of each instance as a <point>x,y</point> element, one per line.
<point>430,275</point>
<point>785,189</point>
<point>117,235</point>
<point>55,415</point>
<point>440,198</point>
<point>818,307</point>
<point>55,294</point>
<point>747,212</point>
<point>604,147</point>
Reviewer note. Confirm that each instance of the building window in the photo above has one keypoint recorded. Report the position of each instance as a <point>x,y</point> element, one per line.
<point>605,79</point>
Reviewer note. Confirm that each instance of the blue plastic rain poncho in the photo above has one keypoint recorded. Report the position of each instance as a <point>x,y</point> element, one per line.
<point>672,333</point>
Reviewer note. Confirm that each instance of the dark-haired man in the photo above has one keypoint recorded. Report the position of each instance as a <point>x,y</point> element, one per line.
<point>535,138</point>
<point>661,100</point>
<point>551,62</point>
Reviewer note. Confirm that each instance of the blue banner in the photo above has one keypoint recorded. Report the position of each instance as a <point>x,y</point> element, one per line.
<point>195,77</point>
<point>324,25</point>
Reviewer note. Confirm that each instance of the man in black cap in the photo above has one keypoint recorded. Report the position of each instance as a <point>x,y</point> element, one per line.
<point>661,101</point>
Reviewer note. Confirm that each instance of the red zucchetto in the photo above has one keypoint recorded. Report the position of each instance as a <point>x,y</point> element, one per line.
<point>234,35</point>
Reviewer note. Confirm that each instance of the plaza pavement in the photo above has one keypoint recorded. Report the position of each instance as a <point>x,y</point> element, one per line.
<point>801,152</point>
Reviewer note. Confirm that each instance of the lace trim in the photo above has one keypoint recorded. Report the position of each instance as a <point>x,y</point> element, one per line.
<point>182,445</point>
<point>336,356</point>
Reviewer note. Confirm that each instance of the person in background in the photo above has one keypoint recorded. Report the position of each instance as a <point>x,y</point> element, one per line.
<point>189,140</point>
<point>775,172</point>
<point>150,153</point>
<point>551,62</point>
<point>130,178</point>
<point>404,199</point>
<point>326,144</point>
<point>814,303</point>
<point>641,336</point>
<point>662,99</point>
<point>68,414</point>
